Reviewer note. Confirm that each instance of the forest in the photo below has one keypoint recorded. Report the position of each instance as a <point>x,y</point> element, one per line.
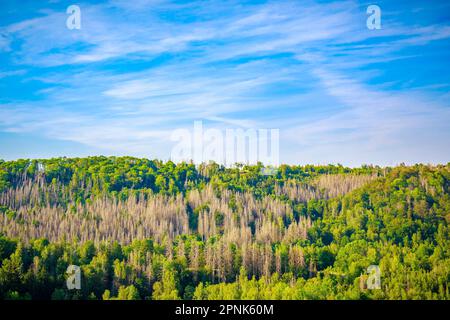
<point>148,229</point>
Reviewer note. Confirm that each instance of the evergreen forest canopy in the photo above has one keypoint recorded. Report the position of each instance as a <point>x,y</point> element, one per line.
<point>147,229</point>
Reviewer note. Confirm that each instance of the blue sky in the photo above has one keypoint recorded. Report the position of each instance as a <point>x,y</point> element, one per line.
<point>137,70</point>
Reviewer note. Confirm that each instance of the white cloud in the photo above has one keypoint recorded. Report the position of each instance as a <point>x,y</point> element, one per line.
<point>372,122</point>
<point>218,64</point>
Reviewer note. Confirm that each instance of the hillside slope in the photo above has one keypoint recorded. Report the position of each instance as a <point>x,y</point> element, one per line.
<point>147,229</point>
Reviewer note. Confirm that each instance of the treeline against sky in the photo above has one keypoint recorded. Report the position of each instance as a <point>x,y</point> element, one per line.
<point>143,229</point>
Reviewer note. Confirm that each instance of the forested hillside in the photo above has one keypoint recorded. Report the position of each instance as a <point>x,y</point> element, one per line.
<point>143,229</point>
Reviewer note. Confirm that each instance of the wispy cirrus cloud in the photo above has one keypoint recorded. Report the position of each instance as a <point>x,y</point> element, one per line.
<point>136,71</point>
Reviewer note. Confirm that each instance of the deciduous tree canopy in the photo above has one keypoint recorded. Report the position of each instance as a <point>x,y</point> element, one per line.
<point>146,229</point>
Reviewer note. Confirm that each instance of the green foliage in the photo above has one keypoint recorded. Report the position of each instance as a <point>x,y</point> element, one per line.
<point>398,219</point>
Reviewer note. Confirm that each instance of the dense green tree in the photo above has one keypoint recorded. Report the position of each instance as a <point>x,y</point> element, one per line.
<point>146,229</point>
